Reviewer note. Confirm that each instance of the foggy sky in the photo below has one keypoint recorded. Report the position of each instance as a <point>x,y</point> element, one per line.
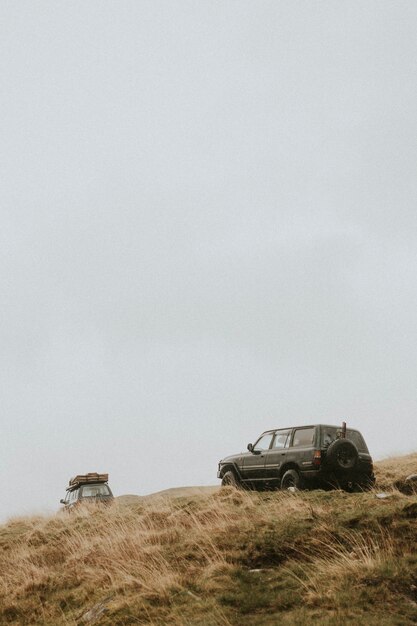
<point>208,228</point>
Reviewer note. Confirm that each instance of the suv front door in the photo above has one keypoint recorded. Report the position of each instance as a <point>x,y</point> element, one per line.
<point>253,463</point>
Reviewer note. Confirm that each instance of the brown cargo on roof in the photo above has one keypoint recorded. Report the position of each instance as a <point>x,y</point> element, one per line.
<point>91,477</point>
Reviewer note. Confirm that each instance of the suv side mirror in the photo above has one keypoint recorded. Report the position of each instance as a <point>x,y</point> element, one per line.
<point>250,447</point>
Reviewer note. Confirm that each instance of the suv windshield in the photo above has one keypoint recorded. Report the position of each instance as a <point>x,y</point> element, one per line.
<point>330,433</point>
<point>92,491</point>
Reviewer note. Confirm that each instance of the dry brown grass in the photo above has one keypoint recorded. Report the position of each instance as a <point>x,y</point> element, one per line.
<point>330,560</point>
<point>156,550</point>
<point>216,559</point>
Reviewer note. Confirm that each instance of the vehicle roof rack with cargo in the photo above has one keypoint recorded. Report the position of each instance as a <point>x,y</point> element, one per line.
<point>83,479</point>
<point>87,488</point>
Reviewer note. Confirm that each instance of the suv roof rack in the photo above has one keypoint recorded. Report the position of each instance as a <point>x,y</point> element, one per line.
<point>91,477</point>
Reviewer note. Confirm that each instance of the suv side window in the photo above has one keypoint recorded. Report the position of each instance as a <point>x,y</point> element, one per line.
<point>303,437</point>
<point>282,439</point>
<point>263,442</point>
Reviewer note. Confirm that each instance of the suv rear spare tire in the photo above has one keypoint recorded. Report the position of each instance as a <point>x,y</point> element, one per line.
<point>342,455</point>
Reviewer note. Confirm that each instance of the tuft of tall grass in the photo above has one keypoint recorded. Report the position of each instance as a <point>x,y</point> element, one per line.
<point>333,562</point>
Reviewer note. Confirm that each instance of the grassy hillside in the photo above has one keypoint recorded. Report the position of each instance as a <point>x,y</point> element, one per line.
<point>218,558</point>
<point>392,471</point>
<point>174,492</point>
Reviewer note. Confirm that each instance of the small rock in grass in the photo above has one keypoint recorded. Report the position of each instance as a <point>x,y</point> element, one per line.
<point>408,485</point>
<point>97,611</point>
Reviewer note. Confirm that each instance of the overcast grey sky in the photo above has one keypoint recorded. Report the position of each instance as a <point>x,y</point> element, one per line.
<point>208,228</point>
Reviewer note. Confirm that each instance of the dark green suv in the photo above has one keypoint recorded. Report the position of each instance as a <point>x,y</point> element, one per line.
<point>302,457</point>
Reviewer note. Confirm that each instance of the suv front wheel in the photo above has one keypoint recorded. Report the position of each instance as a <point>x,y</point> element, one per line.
<point>229,479</point>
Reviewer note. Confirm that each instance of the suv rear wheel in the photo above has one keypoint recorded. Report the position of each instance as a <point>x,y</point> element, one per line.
<point>291,478</point>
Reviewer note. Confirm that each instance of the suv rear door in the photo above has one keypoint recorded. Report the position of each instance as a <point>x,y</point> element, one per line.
<point>331,433</point>
<point>302,446</point>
